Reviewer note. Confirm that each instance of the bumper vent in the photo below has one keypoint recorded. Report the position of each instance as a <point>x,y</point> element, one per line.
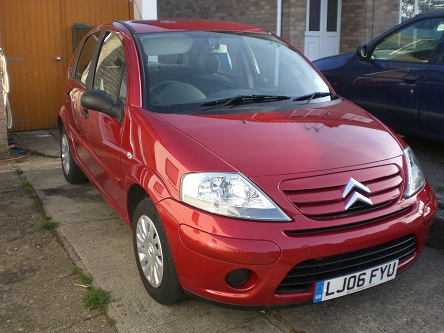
<point>303,275</point>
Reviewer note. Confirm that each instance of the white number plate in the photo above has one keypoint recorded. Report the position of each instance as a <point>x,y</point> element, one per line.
<point>352,283</point>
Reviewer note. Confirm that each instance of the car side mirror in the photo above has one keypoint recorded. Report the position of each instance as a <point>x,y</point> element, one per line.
<point>99,100</point>
<point>362,52</point>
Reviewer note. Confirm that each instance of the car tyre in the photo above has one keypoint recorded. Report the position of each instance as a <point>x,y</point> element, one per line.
<point>72,172</point>
<point>153,255</point>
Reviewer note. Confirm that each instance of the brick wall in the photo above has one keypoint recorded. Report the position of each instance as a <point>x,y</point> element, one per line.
<point>261,13</point>
<point>363,20</point>
<point>293,22</point>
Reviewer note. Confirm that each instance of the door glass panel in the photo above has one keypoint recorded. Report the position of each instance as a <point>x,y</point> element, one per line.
<point>110,67</point>
<point>315,15</point>
<point>85,58</point>
<point>414,43</point>
<point>332,15</point>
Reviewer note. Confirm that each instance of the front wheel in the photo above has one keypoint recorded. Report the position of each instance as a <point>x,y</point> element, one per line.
<point>153,255</point>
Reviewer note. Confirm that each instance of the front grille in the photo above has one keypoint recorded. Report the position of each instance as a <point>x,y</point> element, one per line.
<point>341,227</point>
<point>303,275</point>
<point>320,197</point>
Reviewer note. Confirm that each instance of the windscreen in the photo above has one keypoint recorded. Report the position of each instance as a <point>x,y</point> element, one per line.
<point>192,71</point>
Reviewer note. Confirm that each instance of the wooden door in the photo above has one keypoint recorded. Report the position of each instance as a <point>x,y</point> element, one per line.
<point>36,36</point>
<point>31,39</point>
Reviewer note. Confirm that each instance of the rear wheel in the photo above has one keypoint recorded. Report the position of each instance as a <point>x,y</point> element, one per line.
<point>153,255</point>
<point>72,172</point>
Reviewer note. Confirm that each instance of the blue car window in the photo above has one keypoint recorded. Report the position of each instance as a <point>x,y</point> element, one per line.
<point>413,43</point>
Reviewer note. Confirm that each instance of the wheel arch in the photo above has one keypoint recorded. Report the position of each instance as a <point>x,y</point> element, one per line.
<point>136,194</point>
<point>146,184</point>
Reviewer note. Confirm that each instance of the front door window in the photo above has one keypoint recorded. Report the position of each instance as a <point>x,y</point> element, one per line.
<point>110,68</point>
<point>413,43</point>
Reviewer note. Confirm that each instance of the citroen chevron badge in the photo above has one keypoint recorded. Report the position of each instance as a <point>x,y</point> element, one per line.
<point>351,185</point>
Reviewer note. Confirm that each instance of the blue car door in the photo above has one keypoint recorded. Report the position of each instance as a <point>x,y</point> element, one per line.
<point>390,80</point>
<point>389,90</point>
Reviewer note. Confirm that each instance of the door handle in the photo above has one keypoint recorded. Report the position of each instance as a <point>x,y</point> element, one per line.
<point>85,113</point>
<point>410,78</point>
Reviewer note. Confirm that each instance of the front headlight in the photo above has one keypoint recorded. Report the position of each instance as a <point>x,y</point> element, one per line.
<point>229,194</point>
<point>415,175</point>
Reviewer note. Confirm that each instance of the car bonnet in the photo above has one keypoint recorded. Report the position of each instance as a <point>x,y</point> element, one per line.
<point>292,141</point>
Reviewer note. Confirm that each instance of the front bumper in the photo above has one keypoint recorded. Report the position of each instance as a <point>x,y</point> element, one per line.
<point>206,248</point>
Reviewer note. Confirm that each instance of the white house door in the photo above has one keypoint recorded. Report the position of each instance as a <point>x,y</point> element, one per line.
<point>323,28</point>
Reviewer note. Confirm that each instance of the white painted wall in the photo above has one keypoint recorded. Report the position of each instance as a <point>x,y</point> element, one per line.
<point>145,9</point>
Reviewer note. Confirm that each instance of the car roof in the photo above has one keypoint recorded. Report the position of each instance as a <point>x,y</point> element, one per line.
<point>163,25</point>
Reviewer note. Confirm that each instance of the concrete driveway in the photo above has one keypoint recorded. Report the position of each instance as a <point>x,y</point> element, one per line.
<point>101,244</point>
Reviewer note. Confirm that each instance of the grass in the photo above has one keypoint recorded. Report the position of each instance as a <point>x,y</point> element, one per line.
<point>95,298</point>
<point>29,190</point>
<point>48,224</point>
<point>86,280</point>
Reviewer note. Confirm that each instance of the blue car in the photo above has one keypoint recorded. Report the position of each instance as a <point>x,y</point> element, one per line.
<point>398,77</point>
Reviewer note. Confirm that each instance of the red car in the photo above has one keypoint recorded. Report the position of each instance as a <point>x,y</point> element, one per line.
<point>244,178</point>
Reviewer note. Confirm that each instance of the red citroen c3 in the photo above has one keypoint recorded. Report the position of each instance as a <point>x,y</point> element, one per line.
<point>245,179</point>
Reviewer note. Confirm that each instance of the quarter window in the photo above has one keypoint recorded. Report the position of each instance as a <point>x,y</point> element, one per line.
<point>110,70</point>
<point>85,59</point>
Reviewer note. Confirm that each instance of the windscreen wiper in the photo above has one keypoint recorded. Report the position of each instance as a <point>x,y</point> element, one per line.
<point>311,96</point>
<point>246,99</point>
